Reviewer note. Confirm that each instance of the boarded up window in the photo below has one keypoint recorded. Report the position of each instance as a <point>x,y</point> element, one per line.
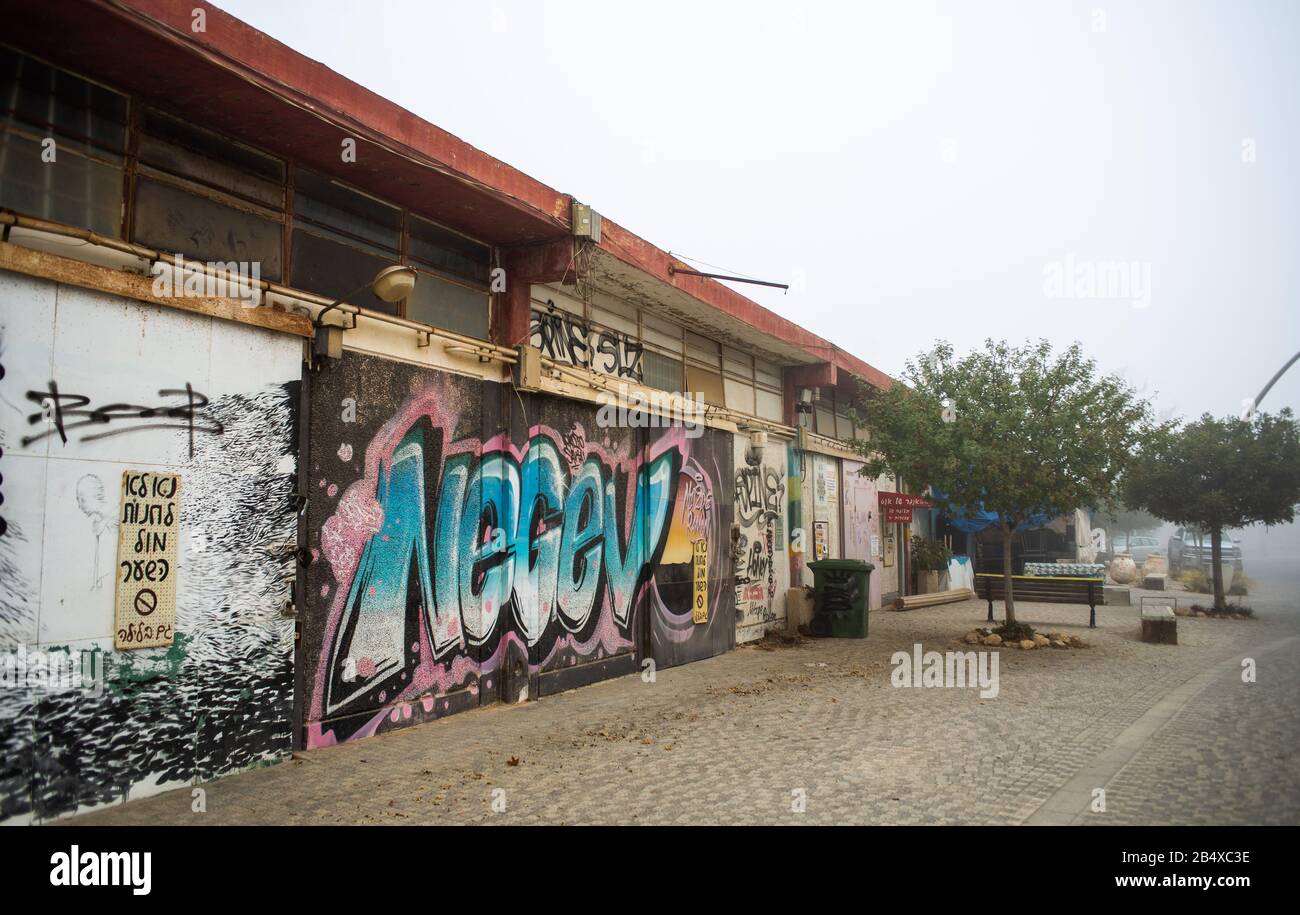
<point>740,396</point>
<point>703,350</point>
<point>705,383</point>
<point>767,374</point>
<point>334,269</point>
<point>770,406</point>
<point>737,363</point>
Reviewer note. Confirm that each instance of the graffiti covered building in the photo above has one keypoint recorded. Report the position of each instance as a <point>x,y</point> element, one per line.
<point>264,499</point>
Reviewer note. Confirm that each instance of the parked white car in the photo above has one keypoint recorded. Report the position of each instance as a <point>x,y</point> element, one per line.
<point>1139,548</point>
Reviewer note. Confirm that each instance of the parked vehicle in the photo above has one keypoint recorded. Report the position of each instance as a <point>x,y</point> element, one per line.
<point>1191,549</point>
<point>1139,547</point>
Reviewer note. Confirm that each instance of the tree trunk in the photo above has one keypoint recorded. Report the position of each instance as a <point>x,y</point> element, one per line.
<point>1216,559</point>
<point>1010,600</point>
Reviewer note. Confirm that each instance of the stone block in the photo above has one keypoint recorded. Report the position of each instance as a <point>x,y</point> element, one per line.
<point>1116,596</point>
<point>1159,625</point>
<point>1160,632</point>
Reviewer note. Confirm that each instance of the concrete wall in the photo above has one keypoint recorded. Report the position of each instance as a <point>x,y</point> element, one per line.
<point>472,545</point>
<point>220,697</point>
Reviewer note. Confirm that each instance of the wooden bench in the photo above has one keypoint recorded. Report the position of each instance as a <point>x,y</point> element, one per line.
<point>1045,588</point>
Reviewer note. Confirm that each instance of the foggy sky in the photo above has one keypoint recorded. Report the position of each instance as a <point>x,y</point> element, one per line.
<point>916,169</point>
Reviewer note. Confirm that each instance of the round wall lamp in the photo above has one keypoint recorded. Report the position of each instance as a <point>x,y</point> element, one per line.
<point>391,284</point>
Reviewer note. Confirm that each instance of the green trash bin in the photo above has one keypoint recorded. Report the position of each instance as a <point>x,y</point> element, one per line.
<point>840,598</point>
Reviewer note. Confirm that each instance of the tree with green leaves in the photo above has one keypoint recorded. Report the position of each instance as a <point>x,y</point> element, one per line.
<point>1019,431</point>
<point>1220,474</point>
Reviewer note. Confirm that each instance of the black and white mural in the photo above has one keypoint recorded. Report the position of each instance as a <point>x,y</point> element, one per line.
<point>93,386</point>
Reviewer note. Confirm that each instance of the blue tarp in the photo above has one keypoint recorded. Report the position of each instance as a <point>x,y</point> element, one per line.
<point>971,521</point>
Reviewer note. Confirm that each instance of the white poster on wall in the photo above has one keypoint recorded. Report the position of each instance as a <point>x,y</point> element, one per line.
<point>148,531</point>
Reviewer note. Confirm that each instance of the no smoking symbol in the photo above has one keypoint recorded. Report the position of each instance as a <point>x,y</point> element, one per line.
<point>146,601</point>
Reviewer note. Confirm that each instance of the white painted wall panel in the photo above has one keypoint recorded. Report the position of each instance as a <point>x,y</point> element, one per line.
<point>220,697</point>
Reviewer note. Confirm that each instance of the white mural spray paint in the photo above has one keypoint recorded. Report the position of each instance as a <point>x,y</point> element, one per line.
<point>94,385</point>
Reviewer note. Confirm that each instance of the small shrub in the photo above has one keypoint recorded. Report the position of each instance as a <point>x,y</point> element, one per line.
<point>1014,632</point>
<point>1196,580</point>
<point>930,555</point>
<point>1199,581</point>
<point>1240,609</point>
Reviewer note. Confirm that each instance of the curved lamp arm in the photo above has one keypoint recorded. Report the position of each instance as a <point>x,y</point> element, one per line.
<point>1272,381</point>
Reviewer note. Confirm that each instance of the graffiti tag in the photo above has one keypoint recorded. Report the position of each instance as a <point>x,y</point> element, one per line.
<point>569,339</point>
<point>65,412</point>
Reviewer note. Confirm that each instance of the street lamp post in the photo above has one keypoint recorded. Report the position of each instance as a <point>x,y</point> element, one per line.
<point>1249,412</point>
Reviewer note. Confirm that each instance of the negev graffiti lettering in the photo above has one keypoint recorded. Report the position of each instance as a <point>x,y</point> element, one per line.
<point>477,546</point>
<point>461,541</point>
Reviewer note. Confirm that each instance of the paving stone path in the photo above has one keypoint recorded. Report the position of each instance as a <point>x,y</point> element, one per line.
<point>816,733</point>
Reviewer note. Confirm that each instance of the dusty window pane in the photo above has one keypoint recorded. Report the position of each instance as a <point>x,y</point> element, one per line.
<point>654,332</point>
<point>737,363</point>
<point>825,422</point>
<point>212,146</point>
<point>660,371</point>
<point>770,406</point>
<point>611,320</point>
<point>214,161</point>
<point>740,396</point>
<point>547,298</point>
<point>333,269</point>
<point>333,206</point>
<point>444,250</point>
<point>176,221</point>
<point>702,349</point>
<point>767,373</point>
<point>448,305</point>
<point>79,112</point>
<point>72,189</point>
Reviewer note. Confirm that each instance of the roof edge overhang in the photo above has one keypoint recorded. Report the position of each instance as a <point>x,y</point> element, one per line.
<point>640,254</point>
<point>246,83</point>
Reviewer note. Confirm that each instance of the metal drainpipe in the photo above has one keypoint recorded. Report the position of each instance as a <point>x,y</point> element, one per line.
<point>302,493</point>
<point>904,586</point>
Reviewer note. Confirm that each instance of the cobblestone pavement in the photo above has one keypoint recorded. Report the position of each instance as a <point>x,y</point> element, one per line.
<point>741,738</point>
<point>1231,756</point>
